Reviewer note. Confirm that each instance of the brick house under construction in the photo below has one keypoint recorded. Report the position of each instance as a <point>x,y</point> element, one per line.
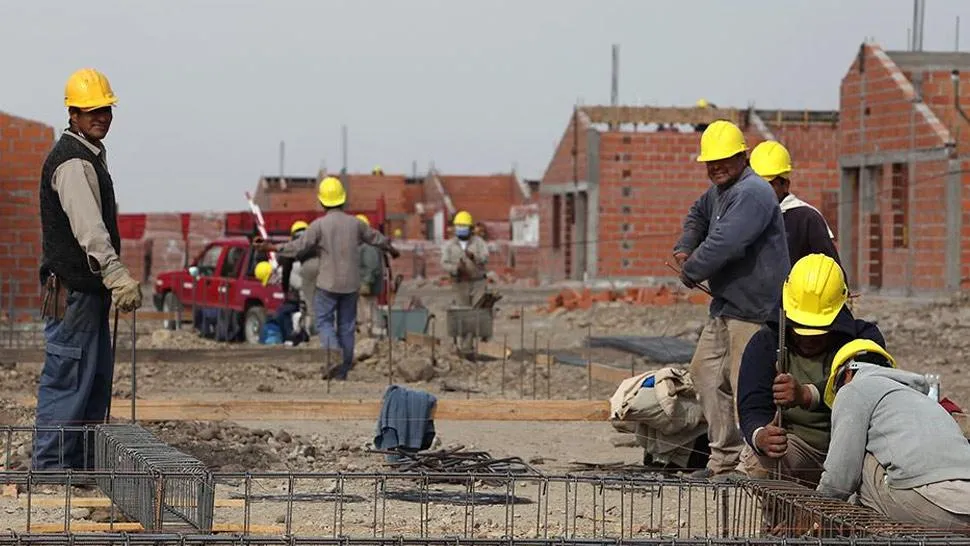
<point>904,170</point>
<point>622,179</point>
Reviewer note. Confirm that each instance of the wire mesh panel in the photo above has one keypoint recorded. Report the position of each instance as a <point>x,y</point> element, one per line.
<point>177,488</point>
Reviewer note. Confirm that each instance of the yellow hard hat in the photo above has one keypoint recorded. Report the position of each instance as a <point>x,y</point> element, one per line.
<point>88,90</point>
<point>721,140</point>
<point>363,219</point>
<point>299,225</point>
<point>847,353</point>
<point>463,218</point>
<point>377,170</point>
<point>702,103</point>
<point>814,293</point>
<point>263,271</point>
<point>770,159</point>
<point>398,233</point>
<point>331,192</point>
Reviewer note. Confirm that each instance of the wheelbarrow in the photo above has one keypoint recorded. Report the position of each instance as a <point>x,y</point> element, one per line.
<point>469,321</point>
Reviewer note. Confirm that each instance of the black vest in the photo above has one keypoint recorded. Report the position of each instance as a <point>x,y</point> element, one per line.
<point>63,256</point>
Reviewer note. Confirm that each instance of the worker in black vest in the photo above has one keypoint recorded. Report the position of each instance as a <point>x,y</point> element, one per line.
<point>82,276</point>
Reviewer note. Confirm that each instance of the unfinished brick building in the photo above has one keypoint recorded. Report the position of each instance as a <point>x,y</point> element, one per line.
<point>622,179</point>
<point>23,147</point>
<point>904,170</point>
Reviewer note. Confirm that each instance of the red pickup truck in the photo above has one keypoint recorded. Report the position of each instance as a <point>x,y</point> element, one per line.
<point>223,293</point>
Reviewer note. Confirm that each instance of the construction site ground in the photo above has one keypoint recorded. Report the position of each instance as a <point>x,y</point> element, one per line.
<point>925,336</point>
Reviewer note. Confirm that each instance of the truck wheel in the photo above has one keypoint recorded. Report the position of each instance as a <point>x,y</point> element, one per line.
<point>253,323</point>
<point>170,303</point>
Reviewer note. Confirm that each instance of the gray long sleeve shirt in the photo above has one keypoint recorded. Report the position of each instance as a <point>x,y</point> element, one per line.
<point>76,184</point>
<point>336,236</point>
<point>735,239</point>
<point>886,412</point>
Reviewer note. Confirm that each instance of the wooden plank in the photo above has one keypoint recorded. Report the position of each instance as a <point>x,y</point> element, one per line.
<point>134,527</point>
<point>229,354</point>
<point>355,410</point>
<point>105,502</point>
<point>492,349</point>
<point>423,340</point>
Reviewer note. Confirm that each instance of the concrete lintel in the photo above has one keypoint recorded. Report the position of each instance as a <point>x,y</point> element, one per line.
<point>902,156</point>
<point>563,189</point>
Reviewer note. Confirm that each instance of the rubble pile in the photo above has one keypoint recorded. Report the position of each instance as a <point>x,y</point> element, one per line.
<point>570,299</point>
<point>227,447</point>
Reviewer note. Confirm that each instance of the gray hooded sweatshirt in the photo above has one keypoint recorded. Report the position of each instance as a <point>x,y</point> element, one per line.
<point>886,412</point>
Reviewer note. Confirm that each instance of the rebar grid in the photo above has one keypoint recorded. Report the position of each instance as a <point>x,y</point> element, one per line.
<point>175,488</point>
<point>476,506</point>
<point>125,539</point>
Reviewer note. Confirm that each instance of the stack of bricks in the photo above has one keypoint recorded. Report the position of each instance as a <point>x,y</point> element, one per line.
<point>164,240</point>
<point>24,145</point>
<point>204,227</point>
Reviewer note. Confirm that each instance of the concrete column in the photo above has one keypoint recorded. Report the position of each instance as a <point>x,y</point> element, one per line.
<point>846,236</point>
<point>593,202</point>
<point>954,224</point>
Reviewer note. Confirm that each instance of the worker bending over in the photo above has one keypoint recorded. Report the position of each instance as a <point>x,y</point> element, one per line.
<point>734,238</point>
<point>895,447</point>
<point>807,231</point>
<point>464,258</point>
<point>818,326</point>
<point>82,276</point>
<point>371,284</point>
<point>335,236</point>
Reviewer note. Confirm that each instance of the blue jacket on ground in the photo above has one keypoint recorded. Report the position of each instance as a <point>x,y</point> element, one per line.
<point>756,405</point>
<point>735,239</point>
<point>405,419</point>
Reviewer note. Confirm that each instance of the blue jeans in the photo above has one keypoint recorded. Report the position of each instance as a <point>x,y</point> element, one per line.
<point>75,384</point>
<point>344,306</point>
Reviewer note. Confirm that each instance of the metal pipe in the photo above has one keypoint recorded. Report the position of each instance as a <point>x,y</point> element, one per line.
<point>955,76</point>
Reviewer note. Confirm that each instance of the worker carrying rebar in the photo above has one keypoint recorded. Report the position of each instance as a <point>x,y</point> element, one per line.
<point>807,231</point>
<point>335,236</point>
<point>818,325</point>
<point>82,276</point>
<point>305,269</point>
<point>893,446</point>
<point>464,258</point>
<point>371,284</point>
<point>733,238</point>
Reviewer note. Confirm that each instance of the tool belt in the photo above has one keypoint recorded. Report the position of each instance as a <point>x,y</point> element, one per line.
<point>55,299</point>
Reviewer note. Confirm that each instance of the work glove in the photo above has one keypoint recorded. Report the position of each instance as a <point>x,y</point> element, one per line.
<point>125,291</point>
<point>395,253</point>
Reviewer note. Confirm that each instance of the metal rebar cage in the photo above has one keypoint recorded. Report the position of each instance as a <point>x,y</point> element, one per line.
<point>176,491</point>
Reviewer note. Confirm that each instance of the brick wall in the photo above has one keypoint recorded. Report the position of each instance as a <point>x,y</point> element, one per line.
<point>877,115</point>
<point>24,145</point>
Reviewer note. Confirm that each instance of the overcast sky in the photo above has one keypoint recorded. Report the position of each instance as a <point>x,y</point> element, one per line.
<point>209,88</point>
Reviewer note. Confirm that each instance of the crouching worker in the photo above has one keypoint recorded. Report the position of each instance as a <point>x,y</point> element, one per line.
<point>894,446</point>
<point>818,325</point>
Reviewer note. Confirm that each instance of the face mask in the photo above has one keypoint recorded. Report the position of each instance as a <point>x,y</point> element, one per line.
<point>463,232</point>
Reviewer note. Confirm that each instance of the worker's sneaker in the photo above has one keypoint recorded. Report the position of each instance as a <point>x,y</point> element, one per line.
<point>702,474</point>
<point>708,474</point>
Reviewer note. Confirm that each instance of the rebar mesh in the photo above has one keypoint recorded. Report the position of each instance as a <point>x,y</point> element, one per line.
<point>177,488</point>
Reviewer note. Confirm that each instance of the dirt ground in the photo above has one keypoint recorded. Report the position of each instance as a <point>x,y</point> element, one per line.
<point>925,336</point>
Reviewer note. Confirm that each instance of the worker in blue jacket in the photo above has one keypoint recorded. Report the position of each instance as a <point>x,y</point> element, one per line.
<point>818,324</point>
<point>734,238</point>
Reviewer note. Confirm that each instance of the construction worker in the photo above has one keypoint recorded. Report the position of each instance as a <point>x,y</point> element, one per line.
<point>702,103</point>
<point>893,445</point>
<point>307,272</point>
<point>335,236</point>
<point>377,171</point>
<point>817,326</point>
<point>82,276</point>
<point>734,238</point>
<point>464,258</point>
<point>807,231</point>
<point>371,283</point>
